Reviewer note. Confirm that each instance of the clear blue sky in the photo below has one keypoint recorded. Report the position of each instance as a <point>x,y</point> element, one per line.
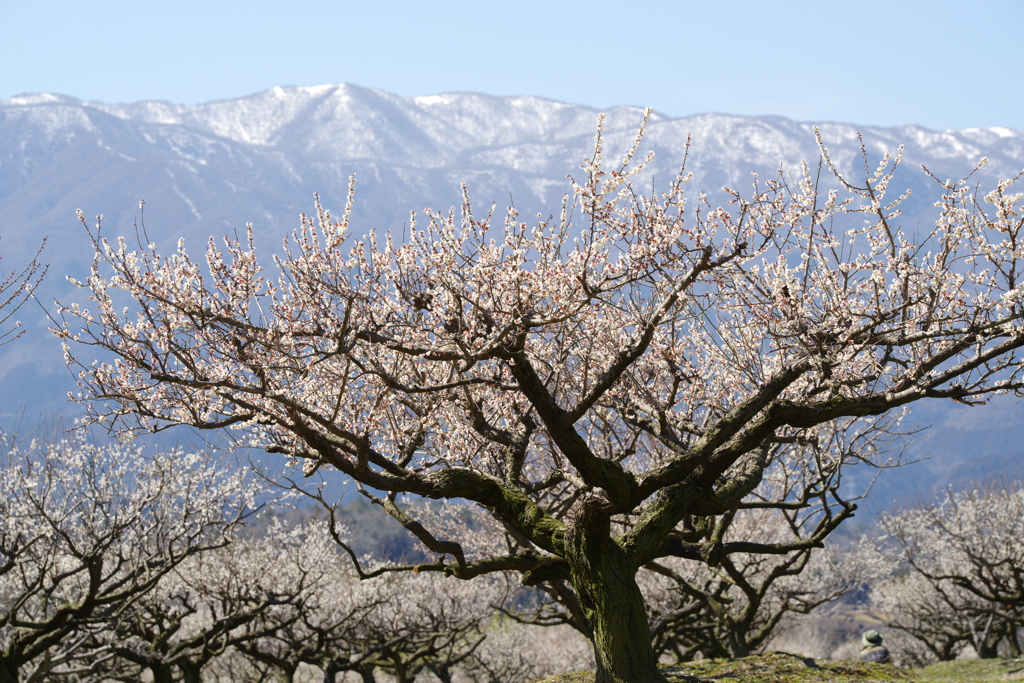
<point>939,63</point>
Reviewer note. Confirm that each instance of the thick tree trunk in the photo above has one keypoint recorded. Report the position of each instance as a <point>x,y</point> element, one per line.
<point>8,670</point>
<point>945,652</point>
<point>1011,639</point>
<point>191,672</point>
<point>605,580</point>
<point>987,651</point>
<point>988,644</point>
<point>402,674</point>
<point>736,639</point>
<point>988,648</point>
<point>162,673</point>
<point>442,673</point>
<point>331,671</point>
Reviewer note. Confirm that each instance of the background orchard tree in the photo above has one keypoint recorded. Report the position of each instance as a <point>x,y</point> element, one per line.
<point>732,609</point>
<point>372,616</point>
<point>635,356</point>
<point>431,623</point>
<point>936,622</point>
<point>15,289</point>
<point>957,571</point>
<point>320,627</point>
<point>87,530</point>
<point>226,597</point>
<point>514,652</point>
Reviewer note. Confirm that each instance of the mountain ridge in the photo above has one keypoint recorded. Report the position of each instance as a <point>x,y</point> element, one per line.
<point>210,169</point>
<point>470,118</point>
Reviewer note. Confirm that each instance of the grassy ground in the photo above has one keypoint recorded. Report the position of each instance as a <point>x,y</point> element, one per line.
<point>779,667</point>
<point>976,670</point>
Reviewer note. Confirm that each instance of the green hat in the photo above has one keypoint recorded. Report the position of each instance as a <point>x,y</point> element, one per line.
<point>871,637</point>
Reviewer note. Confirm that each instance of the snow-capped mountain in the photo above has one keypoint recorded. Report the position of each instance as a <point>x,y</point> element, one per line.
<point>210,169</point>
<point>258,159</point>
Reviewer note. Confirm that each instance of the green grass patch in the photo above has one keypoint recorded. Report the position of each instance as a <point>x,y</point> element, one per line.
<point>780,667</point>
<point>981,670</point>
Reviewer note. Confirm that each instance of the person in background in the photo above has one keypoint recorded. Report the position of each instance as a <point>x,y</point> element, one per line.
<point>873,650</point>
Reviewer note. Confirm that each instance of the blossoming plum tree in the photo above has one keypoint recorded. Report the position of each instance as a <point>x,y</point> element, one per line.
<point>227,597</point>
<point>733,609</point>
<point>15,289</point>
<point>957,574</point>
<point>87,531</point>
<point>636,357</point>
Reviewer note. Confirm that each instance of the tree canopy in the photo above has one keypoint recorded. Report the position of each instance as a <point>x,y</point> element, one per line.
<point>605,383</point>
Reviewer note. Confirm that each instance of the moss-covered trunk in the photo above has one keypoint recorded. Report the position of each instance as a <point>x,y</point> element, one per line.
<point>605,581</point>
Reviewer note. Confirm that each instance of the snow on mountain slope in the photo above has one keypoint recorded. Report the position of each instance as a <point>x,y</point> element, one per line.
<point>210,169</point>
<point>347,120</point>
<point>284,143</point>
